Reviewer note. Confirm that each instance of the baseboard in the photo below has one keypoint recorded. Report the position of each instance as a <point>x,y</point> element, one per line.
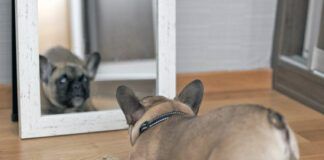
<point>301,86</point>
<point>233,81</point>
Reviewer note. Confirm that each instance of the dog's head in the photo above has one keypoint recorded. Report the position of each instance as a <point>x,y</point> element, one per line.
<point>133,108</point>
<point>187,101</point>
<point>67,84</point>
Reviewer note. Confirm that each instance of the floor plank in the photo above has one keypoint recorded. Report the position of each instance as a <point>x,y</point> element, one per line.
<point>5,96</point>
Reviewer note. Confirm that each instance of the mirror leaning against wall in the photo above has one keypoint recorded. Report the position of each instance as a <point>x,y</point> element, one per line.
<point>73,54</point>
<point>88,48</point>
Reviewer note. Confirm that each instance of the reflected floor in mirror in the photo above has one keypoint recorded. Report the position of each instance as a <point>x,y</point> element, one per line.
<point>104,93</point>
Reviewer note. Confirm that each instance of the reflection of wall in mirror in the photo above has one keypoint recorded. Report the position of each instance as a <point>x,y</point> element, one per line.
<point>125,29</point>
<point>53,24</point>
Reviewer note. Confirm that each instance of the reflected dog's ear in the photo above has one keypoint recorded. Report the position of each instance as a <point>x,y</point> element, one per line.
<point>129,104</point>
<point>192,95</point>
<point>92,64</point>
<point>45,68</point>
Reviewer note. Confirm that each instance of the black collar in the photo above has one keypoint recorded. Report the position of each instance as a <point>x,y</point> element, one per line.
<point>148,124</point>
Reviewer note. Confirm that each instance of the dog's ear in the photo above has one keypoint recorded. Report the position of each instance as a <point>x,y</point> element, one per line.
<point>129,104</point>
<point>192,95</point>
<point>92,64</point>
<point>45,68</point>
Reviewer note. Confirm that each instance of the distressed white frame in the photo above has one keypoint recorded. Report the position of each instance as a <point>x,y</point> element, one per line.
<point>33,124</point>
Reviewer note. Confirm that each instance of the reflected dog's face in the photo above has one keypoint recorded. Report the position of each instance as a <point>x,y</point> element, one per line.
<point>66,85</point>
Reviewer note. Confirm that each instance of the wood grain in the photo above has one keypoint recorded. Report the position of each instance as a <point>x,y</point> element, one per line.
<point>307,123</point>
<point>5,96</point>
<point>229,81</point>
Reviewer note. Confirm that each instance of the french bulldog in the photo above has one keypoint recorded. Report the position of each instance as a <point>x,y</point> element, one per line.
<point>65,81</point>
<point>164,129</point>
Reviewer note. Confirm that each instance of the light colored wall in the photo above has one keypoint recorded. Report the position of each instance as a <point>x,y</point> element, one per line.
<point>212,35</point>
<point>217,35</point>
<point>5,41</point>
<point>53,24</point>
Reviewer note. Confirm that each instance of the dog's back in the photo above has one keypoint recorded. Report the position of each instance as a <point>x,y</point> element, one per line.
<point>245,132</point>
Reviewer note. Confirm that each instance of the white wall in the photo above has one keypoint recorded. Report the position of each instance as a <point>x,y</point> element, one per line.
<point>212,35</point>
<point>217,35</point>
<point>5,41</point>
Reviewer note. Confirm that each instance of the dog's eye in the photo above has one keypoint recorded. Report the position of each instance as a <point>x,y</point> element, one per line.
<point>84,79</point>
<point>63,79</point>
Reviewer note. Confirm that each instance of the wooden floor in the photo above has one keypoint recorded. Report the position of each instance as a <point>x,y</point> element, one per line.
<point>308,124</point>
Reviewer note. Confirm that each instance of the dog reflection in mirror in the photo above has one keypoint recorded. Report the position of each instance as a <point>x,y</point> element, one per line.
<point>65,81</point>
<point>162,128</point>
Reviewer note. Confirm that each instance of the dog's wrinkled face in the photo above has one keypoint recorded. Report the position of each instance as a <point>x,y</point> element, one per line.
<point>67,85</point>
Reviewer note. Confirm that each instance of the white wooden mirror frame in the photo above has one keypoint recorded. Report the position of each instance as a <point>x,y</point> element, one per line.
<point>32,124</point>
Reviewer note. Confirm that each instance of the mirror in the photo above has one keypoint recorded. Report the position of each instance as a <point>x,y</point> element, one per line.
<point>88,48</point>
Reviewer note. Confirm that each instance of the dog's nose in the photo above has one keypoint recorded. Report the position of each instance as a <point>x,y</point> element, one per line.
<point>76,86</point>
<point>77,90</point>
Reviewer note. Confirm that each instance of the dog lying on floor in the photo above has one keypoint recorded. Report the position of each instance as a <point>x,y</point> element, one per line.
<point>165,129</point>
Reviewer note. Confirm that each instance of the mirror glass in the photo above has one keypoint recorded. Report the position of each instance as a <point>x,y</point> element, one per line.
<point>88,48</point>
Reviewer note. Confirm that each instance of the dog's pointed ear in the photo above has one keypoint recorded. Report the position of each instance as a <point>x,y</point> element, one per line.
<point>92,64</point>
<point>192,95</point>
<point>129,104</point>
<point>45,68</point>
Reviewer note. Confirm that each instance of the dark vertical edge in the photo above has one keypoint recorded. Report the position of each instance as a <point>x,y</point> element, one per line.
<point>276,38</point>
<point>14,115</point>
<point>320,43</point>
<point>87,41</point>
<point>276,34</point>
<point>290,26</point>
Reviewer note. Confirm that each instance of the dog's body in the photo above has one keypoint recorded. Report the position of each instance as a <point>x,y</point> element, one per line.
<point>229,133</point>
<point>242,132</point>
<point>65,81</point>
